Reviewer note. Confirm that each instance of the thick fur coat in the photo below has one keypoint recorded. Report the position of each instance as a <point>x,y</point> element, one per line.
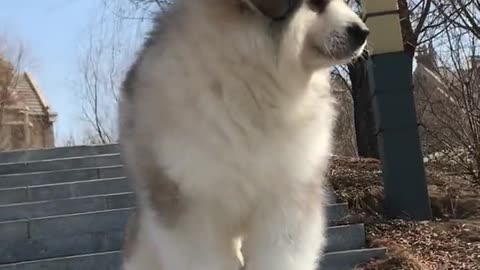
<point>226,121</point>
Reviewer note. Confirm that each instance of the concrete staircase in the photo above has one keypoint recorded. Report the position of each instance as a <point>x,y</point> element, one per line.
<point>66,209</point>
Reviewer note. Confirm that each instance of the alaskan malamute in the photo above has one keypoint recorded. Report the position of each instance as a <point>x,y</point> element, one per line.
<point>226,121</point>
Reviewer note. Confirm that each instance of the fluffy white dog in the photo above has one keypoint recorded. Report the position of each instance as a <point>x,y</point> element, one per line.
<point>226,121</point>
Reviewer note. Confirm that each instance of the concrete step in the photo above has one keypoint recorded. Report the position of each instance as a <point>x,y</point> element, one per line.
<point>40,209</point>
<point>346,260</point>
<point>73,189</point>
<point>337,211</point>
<point>59,176</point>
<point>59,152</point>
<point>64,190</point>
<point>349,260</point>
<point>61,164</point>
<point>64,225</point>
<point>346,237</point>
<point>47,248</point>
<point>91,203</point>
<point>85,243</point>
<point>94,221</point>
<point>97,261</point>
<point>108,237</point>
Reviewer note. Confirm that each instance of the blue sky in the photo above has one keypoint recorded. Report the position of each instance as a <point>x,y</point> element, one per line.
<point>53,32</point>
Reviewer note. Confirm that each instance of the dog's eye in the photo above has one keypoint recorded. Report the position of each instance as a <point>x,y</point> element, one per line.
<point>319,5</point>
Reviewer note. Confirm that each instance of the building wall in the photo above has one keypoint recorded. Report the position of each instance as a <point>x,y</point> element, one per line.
<point>14,136</point>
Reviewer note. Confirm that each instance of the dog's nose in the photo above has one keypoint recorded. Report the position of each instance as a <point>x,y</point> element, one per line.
<point>358,34</point>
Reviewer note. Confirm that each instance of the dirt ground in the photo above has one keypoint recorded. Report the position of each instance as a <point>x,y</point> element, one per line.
<point>449,241</point>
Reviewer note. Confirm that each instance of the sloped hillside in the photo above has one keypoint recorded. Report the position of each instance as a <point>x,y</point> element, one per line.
<point>450,241</point>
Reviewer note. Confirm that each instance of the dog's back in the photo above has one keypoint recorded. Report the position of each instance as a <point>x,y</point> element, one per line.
<point>225,125</point>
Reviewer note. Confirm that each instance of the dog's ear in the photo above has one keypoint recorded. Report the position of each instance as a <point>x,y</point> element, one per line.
<point>275,9</point>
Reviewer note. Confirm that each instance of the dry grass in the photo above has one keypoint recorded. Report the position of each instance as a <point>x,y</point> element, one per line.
<point>450,241</point>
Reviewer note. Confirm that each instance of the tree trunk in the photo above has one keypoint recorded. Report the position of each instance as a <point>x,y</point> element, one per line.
<point>363,110</point>
<point>362,103</point>
<point>410,41</point>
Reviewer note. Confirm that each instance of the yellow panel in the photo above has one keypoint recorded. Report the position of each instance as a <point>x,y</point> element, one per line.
<point>374,6</point>
<point>385,34</point>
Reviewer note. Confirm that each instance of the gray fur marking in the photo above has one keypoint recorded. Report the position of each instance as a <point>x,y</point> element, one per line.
<point>131,236</point>
<point>319,5</point>
<point>164,195</point>
<point>277,9</point>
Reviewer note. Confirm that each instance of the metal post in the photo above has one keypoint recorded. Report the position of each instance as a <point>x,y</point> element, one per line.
<point>390,77</point>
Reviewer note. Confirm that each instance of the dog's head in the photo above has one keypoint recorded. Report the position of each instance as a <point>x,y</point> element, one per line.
<point>324,32</point>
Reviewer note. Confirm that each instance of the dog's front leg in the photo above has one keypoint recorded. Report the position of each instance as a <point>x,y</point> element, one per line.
<point>289,235</point>
<point>196,242</point>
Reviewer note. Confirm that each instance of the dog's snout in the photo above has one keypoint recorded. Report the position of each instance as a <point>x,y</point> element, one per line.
<point>358,34</point>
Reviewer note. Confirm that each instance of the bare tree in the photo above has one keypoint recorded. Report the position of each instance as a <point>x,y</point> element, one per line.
<point>448,94</point>
<point>139,10</point>
<point>148,4</point>
<point>462,14</point>
<point>98,87</point>
<point>109,49</point>
<point>13,61</point>
<point>345,144</point>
